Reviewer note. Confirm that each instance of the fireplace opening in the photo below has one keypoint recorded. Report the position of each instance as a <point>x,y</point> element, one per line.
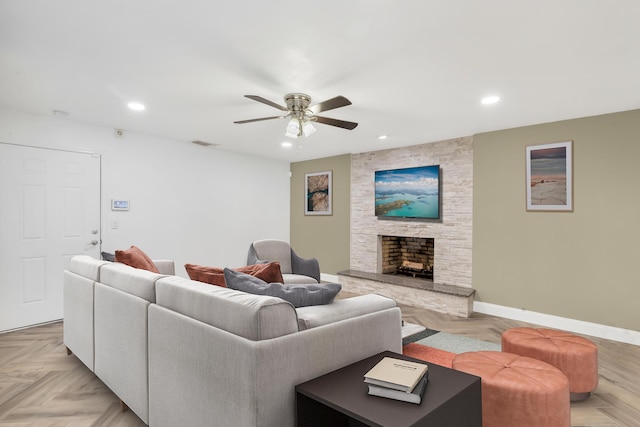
<point>410,256</point>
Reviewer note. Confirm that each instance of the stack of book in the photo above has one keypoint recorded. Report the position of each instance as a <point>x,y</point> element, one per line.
<point>398,379</point>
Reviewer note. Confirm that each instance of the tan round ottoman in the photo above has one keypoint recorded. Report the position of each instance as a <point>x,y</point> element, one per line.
<point>517,390</point>
<point>575,356</point>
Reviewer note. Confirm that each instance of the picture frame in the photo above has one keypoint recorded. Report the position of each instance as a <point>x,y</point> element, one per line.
<point>318,193</point>
<point>549,177</point>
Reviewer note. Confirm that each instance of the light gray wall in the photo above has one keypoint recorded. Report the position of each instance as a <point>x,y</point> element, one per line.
<point>580,265</point>
<point>189,203</point>
<point>323,237</point>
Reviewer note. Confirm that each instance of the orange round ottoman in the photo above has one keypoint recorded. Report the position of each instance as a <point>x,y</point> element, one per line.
<point>575,356</point>
<point>517,390</point>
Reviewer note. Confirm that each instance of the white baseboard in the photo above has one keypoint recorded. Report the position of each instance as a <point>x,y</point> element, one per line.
<point>586,328</point>
<point>577,326</point>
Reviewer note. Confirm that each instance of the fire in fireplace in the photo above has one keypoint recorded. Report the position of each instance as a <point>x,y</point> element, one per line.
<point>413,256</point>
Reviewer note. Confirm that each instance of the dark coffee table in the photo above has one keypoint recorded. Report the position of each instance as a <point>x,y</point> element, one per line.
<point>340,398</point>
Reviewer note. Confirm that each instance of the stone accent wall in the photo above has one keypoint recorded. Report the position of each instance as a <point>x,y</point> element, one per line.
<point>455,305</point>
<point>452,233</point>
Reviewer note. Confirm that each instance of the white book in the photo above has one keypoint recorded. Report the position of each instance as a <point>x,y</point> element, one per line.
<point>414,397</point>
<point>396,374</point>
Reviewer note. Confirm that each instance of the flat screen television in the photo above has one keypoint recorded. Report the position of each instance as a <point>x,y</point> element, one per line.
<point>408,193</point>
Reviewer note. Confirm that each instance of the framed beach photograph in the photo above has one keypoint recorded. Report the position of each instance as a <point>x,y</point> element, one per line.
<point>317,190</point>
<point>550,177</point>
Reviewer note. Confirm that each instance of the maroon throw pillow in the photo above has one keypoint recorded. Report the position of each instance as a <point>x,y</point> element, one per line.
<point>210,275</point>
<point>135,257</point>
<point>269,272</point>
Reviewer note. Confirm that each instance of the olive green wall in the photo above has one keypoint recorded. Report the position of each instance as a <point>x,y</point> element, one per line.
<point>583,264</point>
<point>323,237</point>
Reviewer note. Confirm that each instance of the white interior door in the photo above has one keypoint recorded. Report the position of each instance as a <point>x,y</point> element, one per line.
<point>49,211</point>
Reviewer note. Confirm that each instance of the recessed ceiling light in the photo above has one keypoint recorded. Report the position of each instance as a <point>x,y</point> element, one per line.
<point>490,99</point>
<point>382,137</point>
<point>286,144</point>
<point>136,106</point>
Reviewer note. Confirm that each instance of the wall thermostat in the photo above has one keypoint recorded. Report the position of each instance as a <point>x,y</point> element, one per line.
<point>119,205</point>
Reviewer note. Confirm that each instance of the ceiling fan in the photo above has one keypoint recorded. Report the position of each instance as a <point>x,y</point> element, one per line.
<point>302,115</point>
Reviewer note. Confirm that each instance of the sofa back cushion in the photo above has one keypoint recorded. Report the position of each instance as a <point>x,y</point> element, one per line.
<point>86,266</point>
<point>141,283</point>
<point>255,317</point>
<point>318,315</point>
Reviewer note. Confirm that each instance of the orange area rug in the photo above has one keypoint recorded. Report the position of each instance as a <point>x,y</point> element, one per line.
<point>429,354</point>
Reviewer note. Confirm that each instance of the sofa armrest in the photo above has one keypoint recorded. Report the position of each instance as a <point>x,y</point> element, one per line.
<point>165,266</point>
<point>290,360</point>
<point>318,315</point>
<point>307,267</point>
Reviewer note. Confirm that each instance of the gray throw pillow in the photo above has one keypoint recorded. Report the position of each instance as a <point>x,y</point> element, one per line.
<point>298,295</point>
<point>108,256</point>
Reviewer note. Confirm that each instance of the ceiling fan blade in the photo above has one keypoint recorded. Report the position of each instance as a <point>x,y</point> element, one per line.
<point>335,122</point>
<point>260,119</point>
<point>266,101</point>
<point>330,104</point>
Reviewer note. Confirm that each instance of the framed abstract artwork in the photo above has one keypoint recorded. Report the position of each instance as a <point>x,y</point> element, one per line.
<point>550,177</point>
<point>317,190</point>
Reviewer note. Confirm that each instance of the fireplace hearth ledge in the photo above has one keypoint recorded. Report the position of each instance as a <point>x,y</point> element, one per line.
<point>449,299</point>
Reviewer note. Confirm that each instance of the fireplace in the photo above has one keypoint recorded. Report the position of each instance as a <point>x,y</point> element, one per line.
<point>412,256</point>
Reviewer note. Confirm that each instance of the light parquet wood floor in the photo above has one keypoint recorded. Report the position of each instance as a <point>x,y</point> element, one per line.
<point>41,386</point>
<point>616,401</point>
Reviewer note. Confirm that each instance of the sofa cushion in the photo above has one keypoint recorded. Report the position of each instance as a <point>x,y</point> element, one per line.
<point>136,258</point>
<point>254,317</point>
<point>298,295</point>
<point>314,316</point>
<point>298,279</point>
<point>269,272</point>
<point>86,266</point>
<point>135,281</point>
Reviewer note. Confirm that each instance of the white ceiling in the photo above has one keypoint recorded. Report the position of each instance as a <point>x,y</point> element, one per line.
<point>414,70</point>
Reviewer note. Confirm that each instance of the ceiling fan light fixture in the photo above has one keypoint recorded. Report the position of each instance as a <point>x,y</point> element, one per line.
<point>293,128</point>
<point>308,129</point>
<point>299,126</point>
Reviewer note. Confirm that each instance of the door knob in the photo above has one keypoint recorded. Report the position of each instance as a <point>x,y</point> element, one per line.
<point>93,242</point>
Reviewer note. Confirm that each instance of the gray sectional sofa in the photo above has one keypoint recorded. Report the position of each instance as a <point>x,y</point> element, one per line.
<point>181,352</point>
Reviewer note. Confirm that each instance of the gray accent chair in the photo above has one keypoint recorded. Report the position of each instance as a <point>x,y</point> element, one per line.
<point>295,270</point>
